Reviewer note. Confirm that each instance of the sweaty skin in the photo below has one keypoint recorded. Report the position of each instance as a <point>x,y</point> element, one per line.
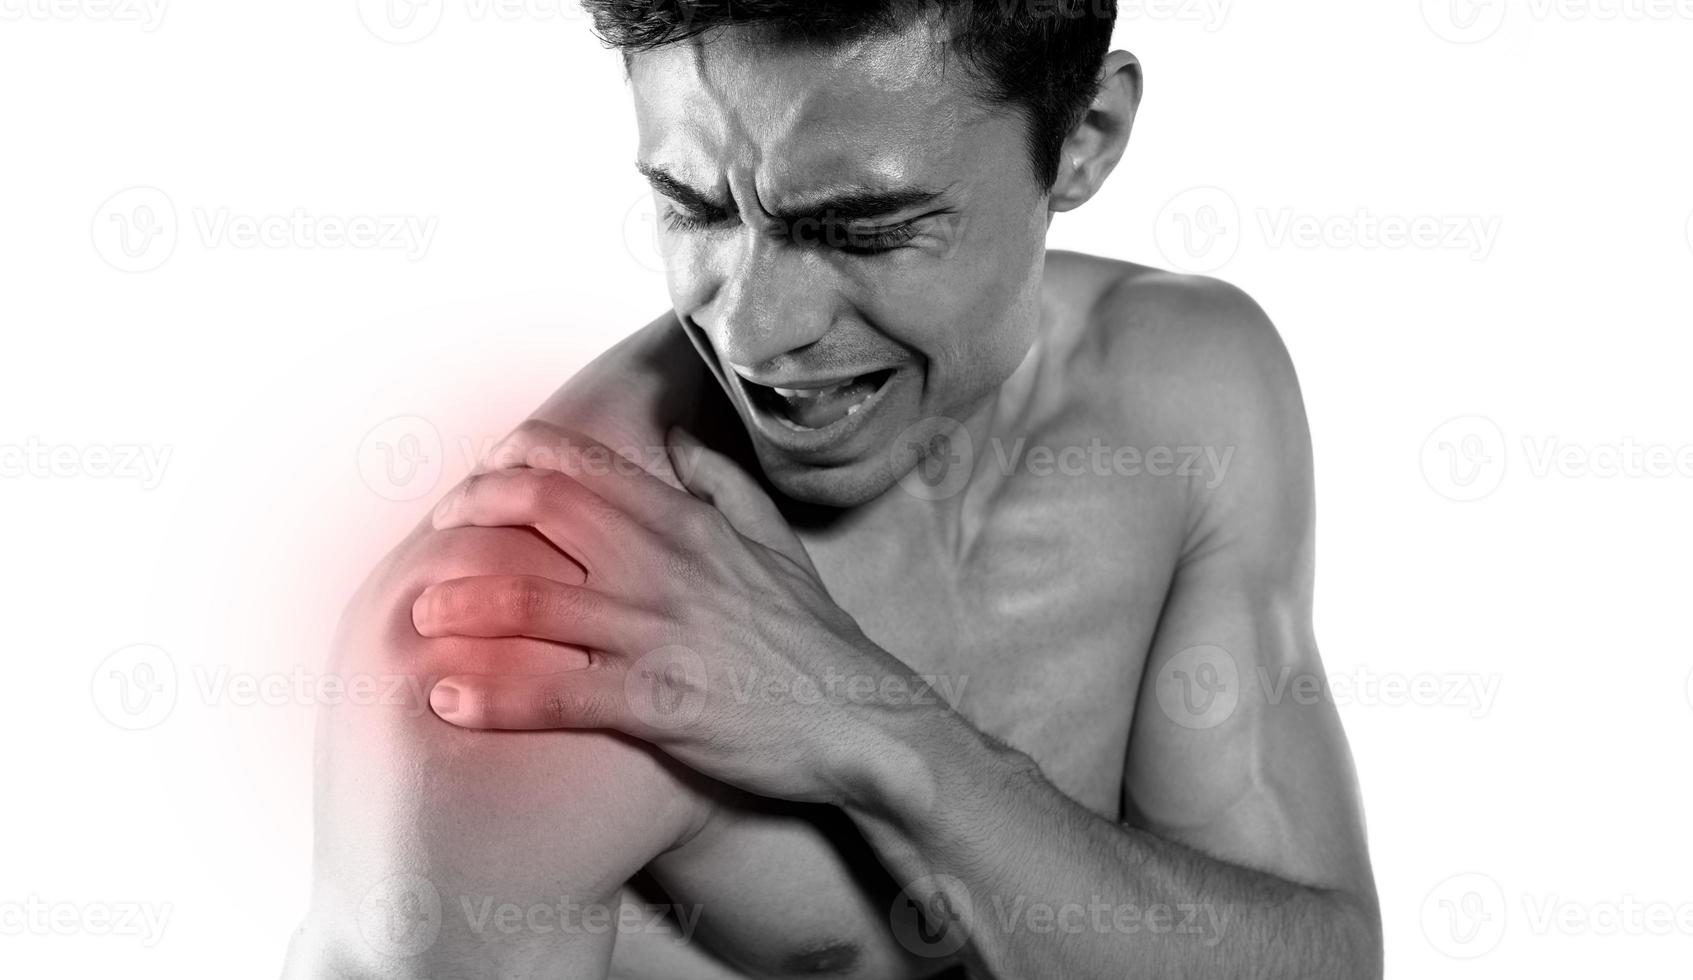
<point>1070,601</point>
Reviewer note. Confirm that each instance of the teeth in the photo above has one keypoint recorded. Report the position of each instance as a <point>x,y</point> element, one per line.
<point>821,407</point>
<point>805,393</point>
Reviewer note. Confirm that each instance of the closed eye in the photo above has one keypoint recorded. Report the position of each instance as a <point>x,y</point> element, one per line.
<point>872,241</point>
<point>850,237</point>
<point>677,219</point>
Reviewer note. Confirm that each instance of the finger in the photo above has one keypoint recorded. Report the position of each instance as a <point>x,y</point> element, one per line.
<point>716,479</point>
<point>575,519</point>
<point>592,697</point>
<point>621,476</point>
<point>527,605</point>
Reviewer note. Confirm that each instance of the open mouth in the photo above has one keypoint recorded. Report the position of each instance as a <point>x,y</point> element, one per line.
<point>811,409</point>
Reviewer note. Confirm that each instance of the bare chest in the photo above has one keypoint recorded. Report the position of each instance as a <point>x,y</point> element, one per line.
<point>1038,629</point>
<point>1035,625</point>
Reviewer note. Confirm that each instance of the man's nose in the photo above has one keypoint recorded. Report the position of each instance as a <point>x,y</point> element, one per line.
<point>771,302</point>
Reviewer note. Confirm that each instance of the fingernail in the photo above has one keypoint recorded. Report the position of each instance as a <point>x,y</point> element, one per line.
<point>420,611</point>
<point>444,699</point>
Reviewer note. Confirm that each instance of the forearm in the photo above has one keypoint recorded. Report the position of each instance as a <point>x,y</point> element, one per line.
<point>1044,887</point>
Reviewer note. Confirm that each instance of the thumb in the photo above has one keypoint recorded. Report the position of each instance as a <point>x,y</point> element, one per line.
<point>714,478</point>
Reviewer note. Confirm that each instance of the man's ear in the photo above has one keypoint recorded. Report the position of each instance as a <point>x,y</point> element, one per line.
<point>1098,141</point>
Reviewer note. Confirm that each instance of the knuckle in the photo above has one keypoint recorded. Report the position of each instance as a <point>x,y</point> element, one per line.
<point>557,707</point>
<point>473,490</point>
<point>544,491</point>
<point>527,602</point>
<point>457,552</point>
<point>697,524</point>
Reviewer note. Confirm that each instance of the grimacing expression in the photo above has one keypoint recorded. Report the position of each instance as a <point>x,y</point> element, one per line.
<point>853,240</point>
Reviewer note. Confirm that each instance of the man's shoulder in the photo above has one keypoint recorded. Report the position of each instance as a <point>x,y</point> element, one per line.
<point>1131,321</point>
<point>1197,350</point>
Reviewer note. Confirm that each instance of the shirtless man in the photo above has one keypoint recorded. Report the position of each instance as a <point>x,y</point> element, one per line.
<point>917,443</point>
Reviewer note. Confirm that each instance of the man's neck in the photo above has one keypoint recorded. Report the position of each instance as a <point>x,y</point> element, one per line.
<point>950,516</point>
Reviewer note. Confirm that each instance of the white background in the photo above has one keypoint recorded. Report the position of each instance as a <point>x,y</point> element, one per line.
<point>1547,144</point>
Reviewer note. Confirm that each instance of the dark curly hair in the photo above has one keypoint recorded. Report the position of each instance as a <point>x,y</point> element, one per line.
<point>1040,56</point>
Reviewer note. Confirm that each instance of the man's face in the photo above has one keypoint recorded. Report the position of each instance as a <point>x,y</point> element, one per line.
<point>853,241</point>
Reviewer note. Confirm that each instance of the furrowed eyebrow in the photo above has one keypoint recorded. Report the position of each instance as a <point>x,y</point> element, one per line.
<point>861,204</point>
<point>667,184</point>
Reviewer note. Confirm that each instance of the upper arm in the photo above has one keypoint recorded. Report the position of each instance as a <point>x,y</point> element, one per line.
<point>1230,753</point>
<point>425,831</point>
